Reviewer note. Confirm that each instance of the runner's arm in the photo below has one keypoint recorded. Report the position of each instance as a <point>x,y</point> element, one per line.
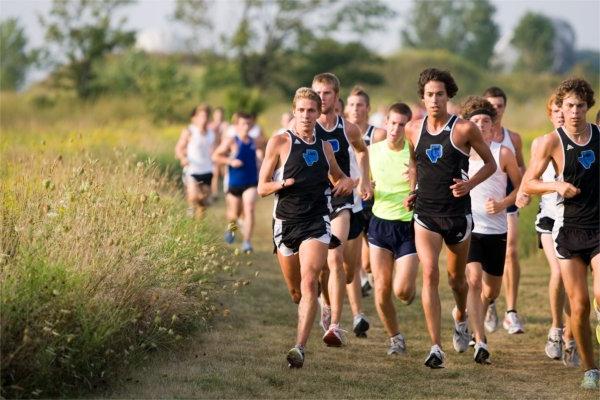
<point>362,157</point>
<point>181,147</point>
<point>222,153</point>
<point>476,142</point>
<point>342,185</point>
<point>266,185</point>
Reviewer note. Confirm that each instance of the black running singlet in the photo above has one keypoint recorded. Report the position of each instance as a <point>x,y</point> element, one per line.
<point>368,135</point>
<point>582,171</point>
<point>310,195</point>
<point>341,148</point>
<point>438,163</point>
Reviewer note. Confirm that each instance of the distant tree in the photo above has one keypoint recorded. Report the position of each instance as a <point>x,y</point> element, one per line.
<point>270,31</point>
<point>533,38</point>
<point>14,58</point>
<point>84,32</point>
<point>466,28</point>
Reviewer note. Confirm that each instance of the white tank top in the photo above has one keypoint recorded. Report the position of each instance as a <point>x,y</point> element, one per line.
<point>548,201</point>
<point>355,174</point>
<point>507,141</point>
<point>493,187</point>
<point>199,151</point>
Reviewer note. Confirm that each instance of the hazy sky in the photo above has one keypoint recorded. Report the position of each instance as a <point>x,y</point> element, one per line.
<point>151,17</point>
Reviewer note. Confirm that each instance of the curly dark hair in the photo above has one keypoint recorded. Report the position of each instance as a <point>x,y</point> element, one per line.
<point>433,74</point>
<point>579,87</point>
<point>475,105</point>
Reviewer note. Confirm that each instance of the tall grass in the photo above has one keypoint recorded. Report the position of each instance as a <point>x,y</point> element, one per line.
<point>98,266</point>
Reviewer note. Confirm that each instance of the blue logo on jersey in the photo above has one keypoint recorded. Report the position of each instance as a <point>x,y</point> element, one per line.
<point>335,144</point>
<point>310,157</point>
<point>586,158</point>
<point>434,152</point>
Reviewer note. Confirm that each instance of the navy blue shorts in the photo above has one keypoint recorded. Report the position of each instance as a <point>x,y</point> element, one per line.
<point>398,237</point>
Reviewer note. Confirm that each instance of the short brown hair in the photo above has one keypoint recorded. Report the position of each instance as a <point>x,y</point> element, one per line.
<point>580,87</point>
<point>328,77</point>
<point>433,74</point>
<point>495,91</point>
<point>551,101</point>
<point>307,93</point>
<point>359,91</point>
<point>202,107</point>
<point>476,105</point>
<point>400,108</point>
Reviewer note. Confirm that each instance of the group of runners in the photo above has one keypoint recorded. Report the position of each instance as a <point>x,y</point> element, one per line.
<point>351,197</point>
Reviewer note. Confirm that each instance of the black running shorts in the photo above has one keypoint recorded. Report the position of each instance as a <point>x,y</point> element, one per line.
<point>238,191</point>
<point>452,229</point>
<point>356,225</point>
<point>287,236</point>
<point>576,242</point>
<point>543,226</point>
<point>489,251</point>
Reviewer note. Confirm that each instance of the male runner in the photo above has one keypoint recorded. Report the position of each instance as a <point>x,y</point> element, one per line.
<point>296,169</point>
<point>574,151</point>
<point>194,151</point>
<point>512,271</point>
<point>485,263</point>
<point>239,153</point>
<point>344,138</point>
<point>394,260</point>
<point>440,144</point>
<point>357,112</point>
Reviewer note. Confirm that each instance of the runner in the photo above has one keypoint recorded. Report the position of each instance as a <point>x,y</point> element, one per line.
<point>344,138</point>
<point>442,203</point>
<point>485,263</point>
<point>219,127</point>
<point>239,153</point>
<point>193,150</point>
<point>557,336</point>
<point>394,260</point>
<point>573,150</point>
<point>512,269</point>
<point>357,112</point>
<point>296,169</point>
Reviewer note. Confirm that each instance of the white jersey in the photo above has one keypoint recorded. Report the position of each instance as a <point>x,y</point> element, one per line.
<point>507,141</point>
<point>493,187</point>
<point>199,151</point>
<point>548,201</point>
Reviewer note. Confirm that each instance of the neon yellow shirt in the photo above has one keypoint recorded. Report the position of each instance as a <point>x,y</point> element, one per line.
<point>391,186</point>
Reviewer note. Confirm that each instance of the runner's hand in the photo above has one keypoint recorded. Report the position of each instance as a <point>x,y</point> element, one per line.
<point>492,206</point>
<point>365,190</point>
<point>343,187</point>
<point>460,187</point>
<point>567,190</point>
<point>523,199</point>
<point>409,201</point>
<point>235,163</point>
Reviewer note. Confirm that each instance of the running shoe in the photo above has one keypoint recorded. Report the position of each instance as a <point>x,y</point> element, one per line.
<point>461,335</point>
<point>325,314</point>
<point>591,379</point>
<point>481,354</point>
<point>570,356</point>
<point>360,325</point>
<point>295,357</point>
<point>335,336</point>
<point>229,236</point>
<point>365,288</point>
<point>597,310</point>
<point>436,357</point>
<point>491,318</point>
<point>554,344</point>
<point>512,323</point>
<point>397,345</point>
<point>247,247</point>
<point>472,341</point>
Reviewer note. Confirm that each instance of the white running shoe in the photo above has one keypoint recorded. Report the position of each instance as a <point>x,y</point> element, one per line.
<point>335,336</point>
<point>554,344</point>
<point>325,315</point>
<point>570,356</point>
<point>491,318</point>
<point>295,357</point>
<point>397,345</point>
<point>461,335</point>
<point>512,323</point>
<point>591,379</point>
<point>436,357</point>
<point>481,353</point>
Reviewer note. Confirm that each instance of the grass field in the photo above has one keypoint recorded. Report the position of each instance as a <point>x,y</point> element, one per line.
<point>243,355</point>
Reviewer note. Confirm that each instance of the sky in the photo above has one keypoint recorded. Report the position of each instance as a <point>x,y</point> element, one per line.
<point>151,18</point>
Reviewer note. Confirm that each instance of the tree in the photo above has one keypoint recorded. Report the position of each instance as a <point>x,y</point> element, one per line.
<point>194,14</point>
<point>533,38</point>
<point>269,32</point>
<point>465,28</point>
<point>14,58</point>
<point>84,32</point>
